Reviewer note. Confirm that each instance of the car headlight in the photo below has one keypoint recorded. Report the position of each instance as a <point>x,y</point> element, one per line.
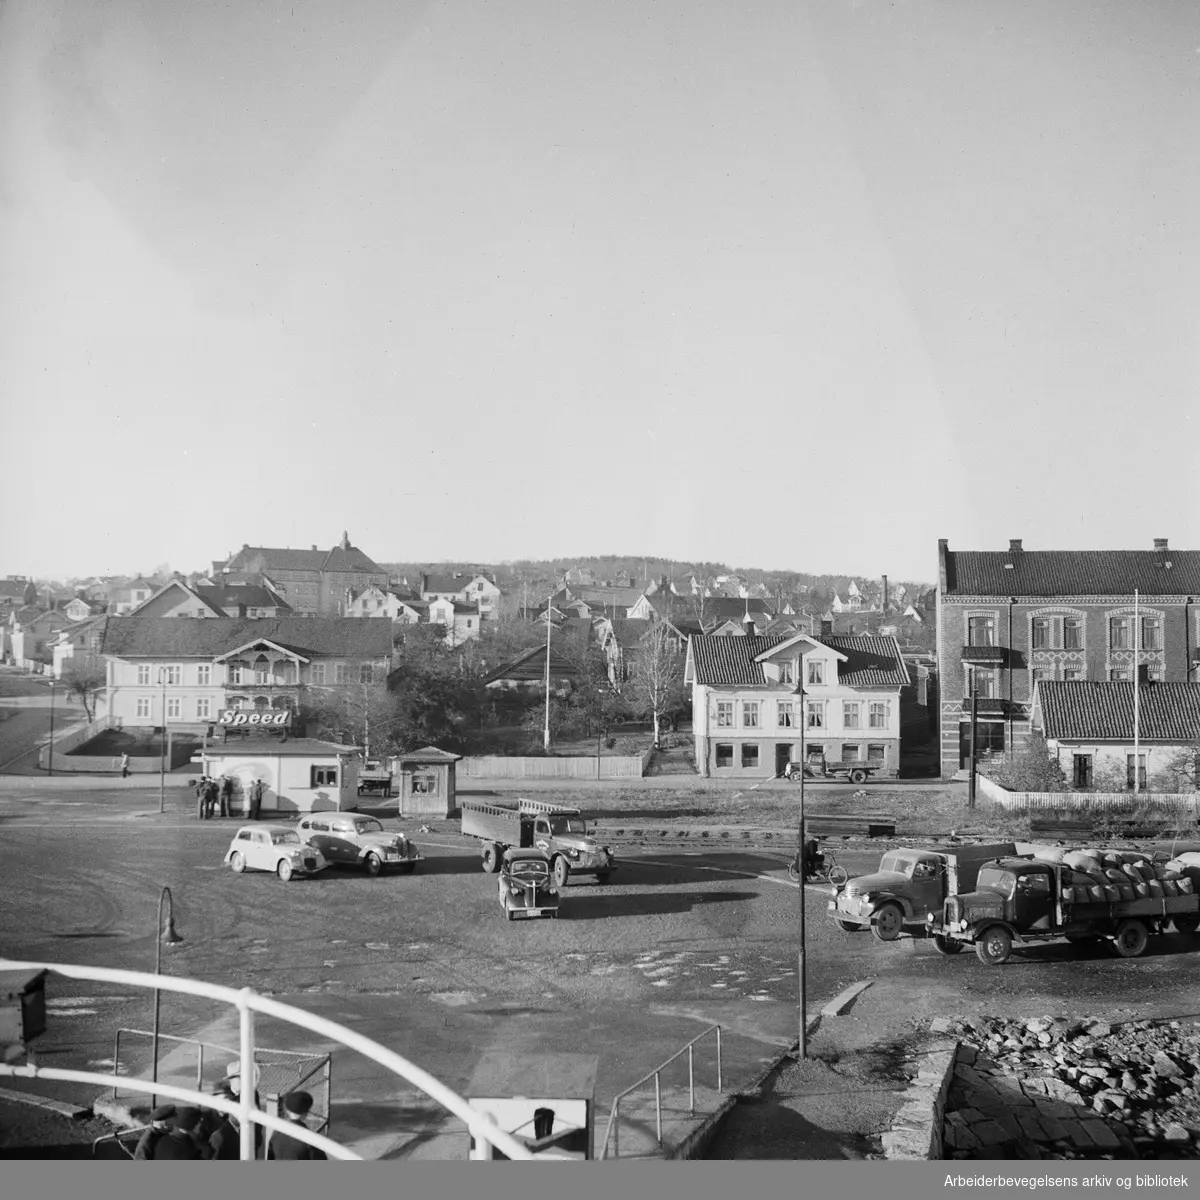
<point>572,853</point>
<point>930,917</point>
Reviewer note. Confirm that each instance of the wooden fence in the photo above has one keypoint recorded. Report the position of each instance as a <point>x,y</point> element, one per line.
<point>1083,801</point>
<point>495,766</point>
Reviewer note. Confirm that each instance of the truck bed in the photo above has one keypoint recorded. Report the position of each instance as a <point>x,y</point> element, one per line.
<point>1143,906</point>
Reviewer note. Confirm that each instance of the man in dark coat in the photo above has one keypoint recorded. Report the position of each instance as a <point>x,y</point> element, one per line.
<point>226,796</point>
<point>296,1106</point>
<point>201,797</point>
<point>256,796</point>
<point>160,1126</point>
<point>182,1142</point>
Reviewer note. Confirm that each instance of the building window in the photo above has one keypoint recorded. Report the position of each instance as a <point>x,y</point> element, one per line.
<point>1081,772</point>
<point>724,714</point>
<point>203,710</point>
<point>262,670</point>
<point>815,714</point>
<point>143,674</point>
<point>816,671</point>
<point>1039,674</point>
<point>1141,770</point>
<point>876,754</point>
<point>851,714</point>
<point>724,755</point>
<point>322,777</point>
<point>750,714</point>
<point>1151,633</point>
<point>1154,674</point>
<point>981,631</point>
<point>1041,633</point>
<point>749,754</point>
<point>143,706</point>
<point>204,674</point>
<point>366,673</point>
<point>1072,633</point>
<point>786,717</point>
<point>317,673</point>
<point>879,714</point>
<point>173,675</point>
<point>235,673</point>
<point>339,672</point>
<point>1119,633</point>
<point>986,680</point>
<point>173,708</point>
<point>424,783</point>
<point>849,752</point>
<point>787,672</point>
<point>1072,674</point>
<point>1120,675</point>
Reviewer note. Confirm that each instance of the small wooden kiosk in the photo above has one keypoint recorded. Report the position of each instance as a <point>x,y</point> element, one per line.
<point>426,782</point>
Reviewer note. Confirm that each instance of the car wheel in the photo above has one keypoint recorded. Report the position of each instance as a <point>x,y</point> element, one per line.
<point>1131,939</point>
<point>562,871</point>
<point>850,926</point>
<point>993,946</point>
<point>491,858</point>
<point>888,923</point>
<point>374,864</point>
<point>237,863</point>
<point>284,869</point>
<point>946,946</point>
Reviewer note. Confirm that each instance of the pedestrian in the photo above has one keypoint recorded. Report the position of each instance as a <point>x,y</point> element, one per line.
<point>160,1126</point>
<point>210,799</point>
<point>226,796</point>
<point>296,1106</point>
<point>201,796</point>
<point>225,1139</point>
<point>256,796</point>
<point>124,766</point>
<point>182,1142</point>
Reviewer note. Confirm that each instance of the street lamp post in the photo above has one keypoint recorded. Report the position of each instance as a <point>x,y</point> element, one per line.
<point>50,757</point>
<point>974,727</point>
<point>802,1044</point>
<point>165,935</point>
<point>162,746</point>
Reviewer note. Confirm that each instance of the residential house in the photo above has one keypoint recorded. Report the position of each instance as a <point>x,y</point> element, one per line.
<point>17,592</point>
<point>125,597</point>
<point>621,639</point>
<point>707,611</point>
<point>612,602</point>
<point>462,621</point>
<point>1008,619</point>
<point>79,609</point>
<point>375,601</point>
<point>747,714</point>
<point>476,590</point>
<point>31,632</point>
<point>527,673</point>
<point>314,582</point>
<point>76,641</point>
<point>241,600</point>
<point>1089,729</point>
<point>199,668</point>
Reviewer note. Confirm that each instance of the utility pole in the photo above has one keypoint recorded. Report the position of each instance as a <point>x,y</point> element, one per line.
<point>802,1042</point>
<point>549,622</point>
<point>974,726</point>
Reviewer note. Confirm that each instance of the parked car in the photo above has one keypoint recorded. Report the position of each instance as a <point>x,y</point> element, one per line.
<point>526,886</point>
<point>347,839</point>
<point>273,848</point>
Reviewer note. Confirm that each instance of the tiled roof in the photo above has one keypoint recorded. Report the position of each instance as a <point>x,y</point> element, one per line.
<point>444,583</point>
<point>1071,572</point>
<point>870,661</point>
<point>275,558</point>
<point>242,593</point>
<point>312,637</point>
<point>608,598</point>
<point>531,667</point>
<point>629,633</point>
<point>1086,710</point>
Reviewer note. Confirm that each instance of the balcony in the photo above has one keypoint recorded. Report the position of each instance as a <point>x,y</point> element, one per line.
<point>265,685</point>
<point>991,655</point>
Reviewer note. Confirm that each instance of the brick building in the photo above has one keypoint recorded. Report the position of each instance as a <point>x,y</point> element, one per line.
<point>1012,617</point>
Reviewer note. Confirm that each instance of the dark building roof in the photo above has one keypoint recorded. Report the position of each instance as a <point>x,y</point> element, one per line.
<point>1019,572</point>
<point>530,667</point>
<point>311,637</point>
<point>345,559</point>
<point>1085,710</point>
<point>870,661</point>
<point>627,632</point>
<point>241,594</point>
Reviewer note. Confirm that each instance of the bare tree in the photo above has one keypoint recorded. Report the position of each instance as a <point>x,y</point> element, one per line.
<point>657,682</point>
<point>86,678</point>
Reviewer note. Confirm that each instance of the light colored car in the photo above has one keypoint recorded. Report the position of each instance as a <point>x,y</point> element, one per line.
<point>273,848</point>
<point>352,840</point>
<point>526,888</point>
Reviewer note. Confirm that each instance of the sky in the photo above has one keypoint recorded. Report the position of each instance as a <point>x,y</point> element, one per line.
<point>791,285</point>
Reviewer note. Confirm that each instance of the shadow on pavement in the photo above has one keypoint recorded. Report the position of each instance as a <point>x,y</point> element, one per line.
<point>597,905</point>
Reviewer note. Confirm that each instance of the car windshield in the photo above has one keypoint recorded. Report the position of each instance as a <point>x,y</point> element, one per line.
<point>993,879</point>
<point>901,864</point>
<point>367,826</point>
<point>529,870</point>
<point>285,839</point>
<point>559,825</point>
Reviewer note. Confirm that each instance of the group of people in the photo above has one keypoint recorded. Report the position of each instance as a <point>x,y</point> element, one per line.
<point>193,1133</point>
<point>212,794</point>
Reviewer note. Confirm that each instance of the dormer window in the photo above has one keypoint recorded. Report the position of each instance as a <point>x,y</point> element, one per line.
<point>816,671</point>
<point>787,672</point>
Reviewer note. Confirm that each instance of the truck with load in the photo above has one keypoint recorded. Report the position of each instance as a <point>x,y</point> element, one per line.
<point>1122,897</point>
<point>559,832</point>
<point>909,883</point>
<point>375,776</point>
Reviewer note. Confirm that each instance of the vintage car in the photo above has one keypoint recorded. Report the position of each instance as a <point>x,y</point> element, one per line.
<point>348,839</point>
<point>526,886</point>
<point>273,848</point>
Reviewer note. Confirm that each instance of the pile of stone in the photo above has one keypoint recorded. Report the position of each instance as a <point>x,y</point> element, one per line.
<point>1141,1077</point>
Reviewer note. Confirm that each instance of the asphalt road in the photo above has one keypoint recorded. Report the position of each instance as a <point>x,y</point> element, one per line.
<point>25,718</point>
<point>426,964</point>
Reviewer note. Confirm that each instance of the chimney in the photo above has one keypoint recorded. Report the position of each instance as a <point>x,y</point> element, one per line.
<point>1160,543</point>
<point>883,606</point>
<point>1014,545</point>
<point>827,629</point>
<point>748,625</point>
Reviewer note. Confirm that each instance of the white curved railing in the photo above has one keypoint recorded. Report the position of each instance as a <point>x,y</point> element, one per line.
<point>487,1134</point>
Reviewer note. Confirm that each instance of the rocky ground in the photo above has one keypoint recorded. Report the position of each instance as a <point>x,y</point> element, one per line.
<point>1053,1087</point>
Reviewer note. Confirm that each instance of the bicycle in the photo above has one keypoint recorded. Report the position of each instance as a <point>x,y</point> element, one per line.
<point>827,869</point>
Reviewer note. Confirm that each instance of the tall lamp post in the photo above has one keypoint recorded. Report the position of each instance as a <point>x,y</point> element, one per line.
<point>802,1045</point>
<point>50,757</point>
<point>162,746</point>
<point>167,936</point>
<point>974,735</point>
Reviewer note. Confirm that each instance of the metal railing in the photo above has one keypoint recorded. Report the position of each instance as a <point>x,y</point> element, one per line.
<point>248,1002</point>
<point>613,1128</point>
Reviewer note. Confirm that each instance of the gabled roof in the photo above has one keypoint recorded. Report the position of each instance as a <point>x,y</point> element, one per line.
<point>310,637</point>
<point>178,585</point>
<point>530,667</point>
<point>628,632</point>
<point>1069,572</point>
<point>433,582</point>
<point>868,661</point>
<point>1086,710</point>
<point>340,558</point>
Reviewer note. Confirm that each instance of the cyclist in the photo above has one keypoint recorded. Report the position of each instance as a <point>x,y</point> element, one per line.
<point>814,860</point>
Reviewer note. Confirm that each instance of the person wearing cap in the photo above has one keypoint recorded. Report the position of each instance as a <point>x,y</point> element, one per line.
<point>225,1139</point>
<point>296,1106</point>
<point>182,1142</point>
<point>159,1127</point>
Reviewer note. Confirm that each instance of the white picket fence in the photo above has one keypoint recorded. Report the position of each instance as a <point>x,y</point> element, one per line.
<point>495,766</point>
<point>1024,801</point>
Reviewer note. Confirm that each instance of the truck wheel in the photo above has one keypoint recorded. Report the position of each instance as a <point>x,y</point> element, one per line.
<point>993,946</point>
<point>945,945</point>
<point>850,926</point>
<point>858,776</point>
<point>562,871</point>
<point>1185,924</point>
<point>888,923</point>
<point>491,858</point>
<point>374,864</point>
<point>1130,939</point>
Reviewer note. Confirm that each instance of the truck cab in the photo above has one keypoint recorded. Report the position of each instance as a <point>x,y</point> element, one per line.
<point>564,838</point>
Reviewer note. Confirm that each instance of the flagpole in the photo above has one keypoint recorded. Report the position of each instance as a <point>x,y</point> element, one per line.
<point>549,622</point>
<point>1136,713</point>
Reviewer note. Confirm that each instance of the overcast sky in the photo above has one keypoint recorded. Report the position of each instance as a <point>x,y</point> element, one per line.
<point>780,284</point>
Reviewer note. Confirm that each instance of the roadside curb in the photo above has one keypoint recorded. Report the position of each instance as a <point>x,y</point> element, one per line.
<point>74,1112</point>
<point>916,1132</point>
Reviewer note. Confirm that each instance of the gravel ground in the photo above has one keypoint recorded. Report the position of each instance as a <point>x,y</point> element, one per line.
<point>29,1132</point>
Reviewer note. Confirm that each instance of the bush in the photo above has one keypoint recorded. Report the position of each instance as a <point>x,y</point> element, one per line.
<point>1028,769</point>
